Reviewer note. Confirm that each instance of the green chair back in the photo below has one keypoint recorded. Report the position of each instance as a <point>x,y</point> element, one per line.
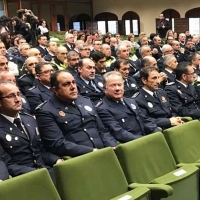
<point>146,158</point>
<point>184,141</point>
<point>97,175</point>
<point>36,185</point>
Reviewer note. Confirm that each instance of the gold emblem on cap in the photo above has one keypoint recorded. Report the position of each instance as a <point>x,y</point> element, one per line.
<point>61,113</point>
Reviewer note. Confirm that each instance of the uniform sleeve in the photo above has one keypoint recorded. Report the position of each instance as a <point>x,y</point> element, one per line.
<point>53,137</point>
<point>178,107</point>
<point>34,100</point>
<point>4,158</point>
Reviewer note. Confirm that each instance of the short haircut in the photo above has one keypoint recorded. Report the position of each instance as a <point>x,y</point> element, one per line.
<point>192,57</point>
<point>117,63</point>
<point>98,55</point>
<point>108,74</point>
<point>166,47</point>
<point>167,59</point>
<point>71,53</point>
<point>22,45</point>
<point>54,78</point>
<point>96,40</point>
<point>4,83</point>
<point>182,68</point>
<point>144,73</point>
<point>40,36</point>
<point>118,49</point>
<point>145,62</point>
<point>39,66</point>
<point>143,48</point>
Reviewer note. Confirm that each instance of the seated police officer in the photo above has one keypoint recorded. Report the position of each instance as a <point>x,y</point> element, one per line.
<point>19,135</point>
<point>182,94</point>
<point>42,92</point>
<point>170,63</point>
<point>73,60</point>
<point>28,80</point>
<point>8,76</point>
<point>130,85</point>
<point>69,123</point>
<point>89,84</point>
<point>153,101</point>
<point>121,115</point>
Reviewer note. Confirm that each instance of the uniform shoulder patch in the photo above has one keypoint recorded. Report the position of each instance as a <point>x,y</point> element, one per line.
<point>40,105</point>
<point>160,89</point>
<point>32,87</point>
<point>136,94</point>
<point>170,83</point>
<point>99,103</point>
<point>25,113</point>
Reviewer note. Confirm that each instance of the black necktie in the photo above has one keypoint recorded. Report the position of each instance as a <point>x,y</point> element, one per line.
<point>155,95</point>
<point>126,82</point>
<point>17,121</point>
<point>90,84</point>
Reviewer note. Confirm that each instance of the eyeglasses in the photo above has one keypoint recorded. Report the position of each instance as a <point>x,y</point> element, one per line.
<point>3,63</point>
<point>31,64</point>
<point>63,53</point>
<point>86,49</point>
<point>47,71</point>
<point>12,96</point>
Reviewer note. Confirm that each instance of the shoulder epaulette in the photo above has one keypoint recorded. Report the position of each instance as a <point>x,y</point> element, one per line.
<point>32,87</point>
<point>160,89</point>
<point>25,113</point>
<point>22,76</point>
<point>99,103</point>
<point>40,105</point>
<point>170,83</point>
<point>136,94</point>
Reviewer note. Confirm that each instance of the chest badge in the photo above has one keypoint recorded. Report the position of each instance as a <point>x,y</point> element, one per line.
<point>88,108</point>
<point>61,113</point>
<point>8,137</point>
<point>133,106</point>
<point>150,105</point>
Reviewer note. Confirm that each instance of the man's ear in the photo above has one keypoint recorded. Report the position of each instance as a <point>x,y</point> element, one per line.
<point>144,81</point>
<point>54,89</point>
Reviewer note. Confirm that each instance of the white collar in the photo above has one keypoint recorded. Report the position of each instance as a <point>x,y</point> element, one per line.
<point>182,83</point>
<point>11,119</point>
<point>148,91</point>
<point>170,71</point>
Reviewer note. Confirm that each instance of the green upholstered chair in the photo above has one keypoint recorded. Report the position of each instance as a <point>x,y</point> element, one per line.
<point>149,160</point>
<point>184,142</point>
<point>95,176</point>
<point>35,185</point>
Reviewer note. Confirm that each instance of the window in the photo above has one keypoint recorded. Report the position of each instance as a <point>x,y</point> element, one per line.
<point>135,27</point>
<point>77,26</point>
<point>127,27</point>
<point>113,27</point>
<point>194,26</point>
<point>102,26</point>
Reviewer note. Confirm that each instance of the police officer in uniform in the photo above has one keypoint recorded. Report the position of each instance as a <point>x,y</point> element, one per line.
<point>42,92</point>
<point>121,115</point>
<point>69,123</point>
<point>19,135</point>
<point>182,94</point>
<point>8,76</point>
<point>153,101</point>
<point>130,85</point>
<point>89,84</point>
<point>28,80</point>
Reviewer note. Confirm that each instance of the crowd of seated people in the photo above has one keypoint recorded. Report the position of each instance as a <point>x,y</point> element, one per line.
<point>92,92</point>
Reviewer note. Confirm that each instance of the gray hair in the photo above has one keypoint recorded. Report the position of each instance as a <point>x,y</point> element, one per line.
<point>108,74</point>
<point>22,45</point>
<point>167,59</point>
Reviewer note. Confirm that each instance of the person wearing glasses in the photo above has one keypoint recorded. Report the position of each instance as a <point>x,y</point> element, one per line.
<point>73,60</point>
<point>19,135</point>
<point>42,91</point>
<point>28,80</point>
<point>182,95</point>
<point>84,50</point>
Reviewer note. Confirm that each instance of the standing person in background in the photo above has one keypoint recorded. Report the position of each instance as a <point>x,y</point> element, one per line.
<point>43,28</point>
<point>163,26</point>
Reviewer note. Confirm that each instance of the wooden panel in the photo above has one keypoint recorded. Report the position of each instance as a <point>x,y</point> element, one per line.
<point>181,25</point>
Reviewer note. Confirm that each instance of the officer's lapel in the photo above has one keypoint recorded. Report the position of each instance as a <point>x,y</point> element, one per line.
<point>28,127</point>
<point>148,97</point>
<point>183,89</point>
<point>132,106</point>
<point>45,90</point>
<point>12,129</point>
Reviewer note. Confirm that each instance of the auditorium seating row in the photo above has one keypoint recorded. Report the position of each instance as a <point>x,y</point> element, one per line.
<point>157,166</point>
